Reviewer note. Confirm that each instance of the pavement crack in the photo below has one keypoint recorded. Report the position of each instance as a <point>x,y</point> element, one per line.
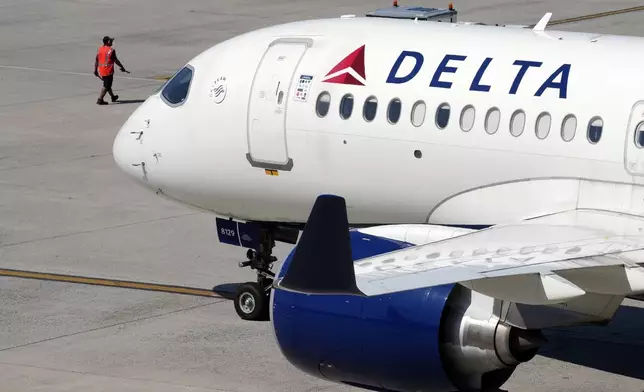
<point>56,162</point>
<point>113,325</point>
<point>97,230</point>
<point>112,377</point>
<point>87,94</point>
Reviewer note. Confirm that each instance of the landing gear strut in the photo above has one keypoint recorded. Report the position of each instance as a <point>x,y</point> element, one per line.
<point>252,298</point>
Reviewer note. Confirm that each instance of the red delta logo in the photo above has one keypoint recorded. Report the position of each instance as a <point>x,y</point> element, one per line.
<point>350,70</point>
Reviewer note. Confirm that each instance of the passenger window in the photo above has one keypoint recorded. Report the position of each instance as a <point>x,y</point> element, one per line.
<point>393,111</point>
<point>568,127</point>
<point>346,106</point>
<point>323,103</point>
<point>370,108</point>
<point>442,115</point>
<point>418,112</point>
<point>517,123</point>
<point>176,91</point>
<point>595,127</point>
<point>542,127</point>
<point>467,118</point>
<point>492,120</point>
<point>639,135</point>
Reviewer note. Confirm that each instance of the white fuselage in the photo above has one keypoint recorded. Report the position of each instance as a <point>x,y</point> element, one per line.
<point>242,100</point>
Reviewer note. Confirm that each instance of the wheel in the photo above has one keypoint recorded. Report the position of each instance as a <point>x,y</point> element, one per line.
<point>251,302</point>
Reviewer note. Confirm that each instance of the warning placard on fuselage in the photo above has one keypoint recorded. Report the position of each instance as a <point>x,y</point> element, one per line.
<point>303,87</point>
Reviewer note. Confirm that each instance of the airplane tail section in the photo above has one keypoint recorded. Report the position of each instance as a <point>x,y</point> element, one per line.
<point>322,261</point>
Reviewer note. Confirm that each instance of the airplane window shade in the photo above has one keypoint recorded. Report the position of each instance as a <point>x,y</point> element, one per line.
<point>492,120</point>
<point>543,125</point>
<point>517,123</point>
<point>323,103</point>
<point>467,118</point>
<point>595,127</point>
<point>639,135</point>
<point>370,108</point>
<point>346,106</point>
<point>176,90</point>
<point>393,111</point>
<point>418,113</point>
<point>442,115</point>
<point>568,128</point>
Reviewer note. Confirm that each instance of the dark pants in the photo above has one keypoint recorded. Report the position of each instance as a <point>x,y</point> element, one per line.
<point>107,81</point>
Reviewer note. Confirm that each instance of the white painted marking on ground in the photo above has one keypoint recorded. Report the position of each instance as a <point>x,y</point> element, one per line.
<point>70,72</point>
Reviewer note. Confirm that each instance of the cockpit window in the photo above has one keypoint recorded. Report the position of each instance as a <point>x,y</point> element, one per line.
<point>176,90</point>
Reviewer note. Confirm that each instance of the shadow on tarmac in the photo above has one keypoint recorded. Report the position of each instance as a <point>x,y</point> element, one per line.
<point>617,347</point>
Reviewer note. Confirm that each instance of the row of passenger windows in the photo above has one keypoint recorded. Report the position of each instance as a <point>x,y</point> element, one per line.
<point>467,116</point>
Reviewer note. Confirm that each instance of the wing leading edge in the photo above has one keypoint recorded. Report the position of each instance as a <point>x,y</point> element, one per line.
<point>541,261</point>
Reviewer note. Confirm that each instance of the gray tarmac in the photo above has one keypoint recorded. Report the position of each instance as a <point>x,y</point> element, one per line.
<point>65,208</point>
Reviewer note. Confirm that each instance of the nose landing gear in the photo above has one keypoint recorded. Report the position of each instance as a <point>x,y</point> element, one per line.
<point>252,299</point>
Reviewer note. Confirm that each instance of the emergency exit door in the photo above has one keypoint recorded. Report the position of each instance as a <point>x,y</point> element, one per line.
<point>634,151</point>
<point>268,103</point>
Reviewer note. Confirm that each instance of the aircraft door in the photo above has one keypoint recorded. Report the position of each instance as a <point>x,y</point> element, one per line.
<point>267,106</point>
<point>634,151</point>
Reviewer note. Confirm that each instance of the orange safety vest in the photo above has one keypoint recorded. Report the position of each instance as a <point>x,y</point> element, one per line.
<point>105,61</point>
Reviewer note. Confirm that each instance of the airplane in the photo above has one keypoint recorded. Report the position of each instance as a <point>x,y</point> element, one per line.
<point>479,184</point>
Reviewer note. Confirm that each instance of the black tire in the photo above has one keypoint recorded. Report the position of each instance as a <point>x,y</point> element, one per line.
<point>251,302</point>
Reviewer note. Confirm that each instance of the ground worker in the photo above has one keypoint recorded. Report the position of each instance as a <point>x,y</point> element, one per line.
<point>104,68</point>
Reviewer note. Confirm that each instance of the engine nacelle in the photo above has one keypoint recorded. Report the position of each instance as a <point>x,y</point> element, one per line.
<point>430,339</point>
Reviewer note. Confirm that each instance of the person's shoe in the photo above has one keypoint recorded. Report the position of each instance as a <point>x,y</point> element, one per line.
<point>115,98</point>
<point>101,102</point>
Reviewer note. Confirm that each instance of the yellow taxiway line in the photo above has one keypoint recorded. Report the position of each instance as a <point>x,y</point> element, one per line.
<point>134,285</point>
<point>109,282</point>
<point>596,15</point>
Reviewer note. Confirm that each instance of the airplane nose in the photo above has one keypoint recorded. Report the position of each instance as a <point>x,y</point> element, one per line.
<point>125,151</point>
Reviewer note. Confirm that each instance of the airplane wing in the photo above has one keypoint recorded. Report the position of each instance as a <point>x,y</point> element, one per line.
<point>539,261</point>
<point>545,260</point>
